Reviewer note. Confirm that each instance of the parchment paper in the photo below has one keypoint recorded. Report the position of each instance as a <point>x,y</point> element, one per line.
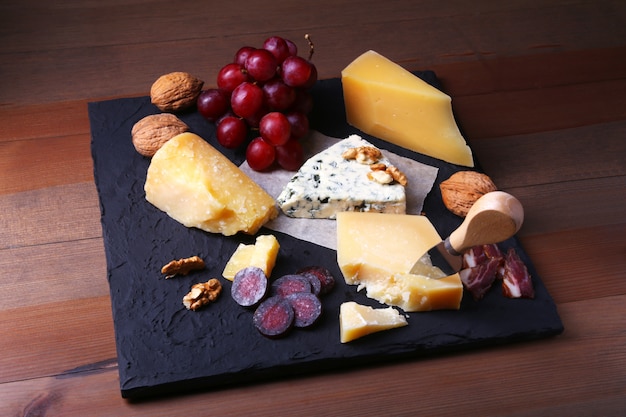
<point>421,178</point>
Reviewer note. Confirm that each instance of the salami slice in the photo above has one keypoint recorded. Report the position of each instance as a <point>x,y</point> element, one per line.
<point>289,284</point>
<point>249,286</point>
<point>323,275</point>
<point>274,317</point>
<point>307,308</point>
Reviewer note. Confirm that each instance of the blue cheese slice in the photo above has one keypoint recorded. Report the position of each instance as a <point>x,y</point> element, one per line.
<point>328,183</point>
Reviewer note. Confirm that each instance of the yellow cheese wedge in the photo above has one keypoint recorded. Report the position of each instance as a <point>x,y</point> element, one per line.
<point>261,254</point>
<point>386,101</point>
<point>356,320</point>
<point>198,186</point>
<point>376,251</point>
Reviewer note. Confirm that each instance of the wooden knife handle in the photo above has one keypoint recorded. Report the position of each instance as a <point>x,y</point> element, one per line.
<point>494,217</point>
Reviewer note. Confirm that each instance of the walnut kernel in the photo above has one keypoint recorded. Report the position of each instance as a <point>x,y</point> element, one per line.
<point>363,154</point>
<point>202,294</point>
<point>182,266</point>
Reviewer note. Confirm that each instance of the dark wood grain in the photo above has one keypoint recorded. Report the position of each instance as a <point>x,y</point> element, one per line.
<point>539,88</point>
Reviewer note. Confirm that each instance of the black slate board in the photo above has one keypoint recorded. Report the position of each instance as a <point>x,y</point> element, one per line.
<point>163,348</point>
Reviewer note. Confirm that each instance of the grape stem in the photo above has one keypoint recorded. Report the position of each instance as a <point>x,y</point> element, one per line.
<point>311,46</point>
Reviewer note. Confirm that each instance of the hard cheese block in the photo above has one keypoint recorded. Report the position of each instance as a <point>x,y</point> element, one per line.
<point>386,101</point>
<point>261,254</point>
<point>356,320</point>
<point>376,251</point>
<point>198,186</point>
<point>327,183</point>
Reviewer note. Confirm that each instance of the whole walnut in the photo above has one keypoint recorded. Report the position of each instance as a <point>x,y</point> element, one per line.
<point>463,188</point>
<point>175,91</point>
<point>151,132</point>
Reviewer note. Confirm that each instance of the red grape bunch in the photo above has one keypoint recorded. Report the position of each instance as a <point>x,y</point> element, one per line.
<point>266,91</point>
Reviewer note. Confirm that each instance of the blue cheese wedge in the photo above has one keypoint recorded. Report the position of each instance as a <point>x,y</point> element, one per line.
<point>330,182</point>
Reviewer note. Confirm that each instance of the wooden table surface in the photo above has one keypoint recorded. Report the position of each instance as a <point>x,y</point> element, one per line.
<point>538,86</point>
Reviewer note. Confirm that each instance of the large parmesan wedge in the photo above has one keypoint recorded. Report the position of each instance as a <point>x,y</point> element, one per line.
<point>198,186</point>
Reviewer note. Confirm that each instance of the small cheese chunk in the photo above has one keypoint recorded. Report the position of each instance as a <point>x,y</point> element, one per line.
<point>261,254</point>
<point>199,187</point>
<point>328,183</point>
<point>377,251</point>
<point>357,320</point>
<point>387,101</point>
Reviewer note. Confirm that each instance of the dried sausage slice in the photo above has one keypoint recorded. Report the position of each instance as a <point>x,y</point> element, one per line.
<point>249,286</point>
<point>274,317</point>
<point>289,284</point>
<point>323,275</point>
<point>307,308</point>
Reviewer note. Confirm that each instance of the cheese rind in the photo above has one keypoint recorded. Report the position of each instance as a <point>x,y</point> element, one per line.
<point>261,254</point>
<point>327,184</point>
<point>198,186</point>
<point>357,320</point>
<point>386,101</point>
<point>377,251</point>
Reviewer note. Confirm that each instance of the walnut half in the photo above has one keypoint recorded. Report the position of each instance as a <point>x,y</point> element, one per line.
<point>202,294</point>
<point>182,266</point>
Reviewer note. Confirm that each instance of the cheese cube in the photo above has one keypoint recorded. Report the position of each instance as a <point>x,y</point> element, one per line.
<point>198,186</point>
<point>387,101</point>
<point>261,254</point>
<point>357,320</point>
<point>377,251</point>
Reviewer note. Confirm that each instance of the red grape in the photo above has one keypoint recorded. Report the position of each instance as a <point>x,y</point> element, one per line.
<point>275,128</point>
<point>213,103</point>
<point>278,95</point>
<point>299,124</point>
<point>278,47</point>
<point>312,78</point>
<point>293,49</point>
<point>231,132</point>
<point>230,76</point>
<point>295,71</point>
<point>290,155</point>
<point>261,65</point>
<point>242,54</point>
<point>260,154</point>
<point>246,100</point>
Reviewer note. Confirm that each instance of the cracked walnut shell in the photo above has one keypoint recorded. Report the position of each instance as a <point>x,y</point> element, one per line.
<point>463,188</point>
<point>151,132</point>
<point>175,91</point>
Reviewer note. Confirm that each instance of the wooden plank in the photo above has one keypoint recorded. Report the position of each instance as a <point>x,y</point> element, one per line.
<point>31,121</point>
<point>55,214</point>
<point>559,379</point>
<point>51,273</point>
<point>109,24</point>
<point>72,334</point>
<point>122,67</point>
<point>588,152</point>
<point>594,257</point>
<point>543,109</point>
<point>572,205</point>
<point>33,164</point>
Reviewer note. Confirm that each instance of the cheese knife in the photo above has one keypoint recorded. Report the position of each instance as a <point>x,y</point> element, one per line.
<point>493,218</point>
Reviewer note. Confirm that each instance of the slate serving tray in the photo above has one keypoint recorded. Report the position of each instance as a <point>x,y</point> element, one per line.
<point>163,348</point>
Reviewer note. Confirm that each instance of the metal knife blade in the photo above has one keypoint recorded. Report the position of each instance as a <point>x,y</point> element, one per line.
<point>493,218</point>
<point>441,257</point>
